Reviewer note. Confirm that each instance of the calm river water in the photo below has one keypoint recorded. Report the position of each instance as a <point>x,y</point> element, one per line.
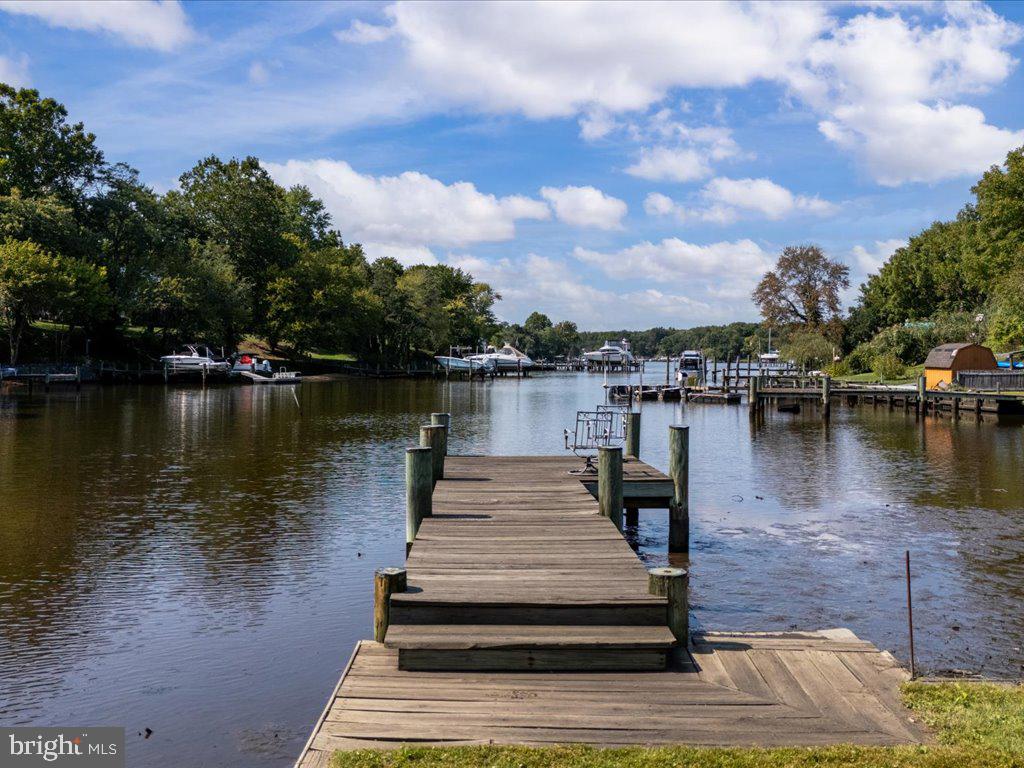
<point>200,563</point>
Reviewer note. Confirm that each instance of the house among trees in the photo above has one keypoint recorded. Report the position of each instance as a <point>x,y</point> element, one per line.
<point>946,359</point>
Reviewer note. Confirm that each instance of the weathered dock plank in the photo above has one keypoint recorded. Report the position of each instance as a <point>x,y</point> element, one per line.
<point>804,696</point>
<point>528,620</point>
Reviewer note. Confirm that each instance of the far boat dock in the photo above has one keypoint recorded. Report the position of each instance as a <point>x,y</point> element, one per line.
<point>523,616</point>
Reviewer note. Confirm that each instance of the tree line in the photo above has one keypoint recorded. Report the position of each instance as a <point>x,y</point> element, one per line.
<point>229,254</point>
<point>957,280</point>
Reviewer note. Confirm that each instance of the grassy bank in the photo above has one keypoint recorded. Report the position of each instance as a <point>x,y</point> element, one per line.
<point>909,377</point>
<point>976,724</point>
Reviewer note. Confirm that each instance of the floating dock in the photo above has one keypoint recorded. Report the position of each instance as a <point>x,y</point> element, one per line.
<point>524,617</point>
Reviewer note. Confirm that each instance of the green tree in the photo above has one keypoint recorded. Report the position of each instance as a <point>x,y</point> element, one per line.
<point>41,153</point>
<point>199,297</point>
<point>134,239</point>
<point>36,285</point>
<point>238,206</point>
<point>803,289</point>
<point>808,349</point>
<point>1006,321</point>
<point>322,301</point>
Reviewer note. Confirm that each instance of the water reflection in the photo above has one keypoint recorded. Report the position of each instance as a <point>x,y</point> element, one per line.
<point>198,562</point>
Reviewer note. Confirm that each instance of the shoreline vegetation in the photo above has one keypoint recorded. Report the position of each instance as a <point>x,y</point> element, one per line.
<point>96,264</point>
<point>975,724</point>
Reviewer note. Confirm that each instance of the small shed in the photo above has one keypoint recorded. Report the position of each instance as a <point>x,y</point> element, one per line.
<point>946,359</point>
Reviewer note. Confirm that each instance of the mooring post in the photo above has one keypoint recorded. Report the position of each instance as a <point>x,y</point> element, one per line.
<point>673,583</point>
<point>826,397</point>
<point>442,420</point>
<point>633,434</point>
<point>432,436</point>
<point>419,489</point>
<point>922,393</point>
<point>679,471</point>
<point>386,581</point>
<point>752,389</point>
<point>609,482</point>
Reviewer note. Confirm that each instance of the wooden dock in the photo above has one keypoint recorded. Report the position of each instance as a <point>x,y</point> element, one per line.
<point>528,619</point>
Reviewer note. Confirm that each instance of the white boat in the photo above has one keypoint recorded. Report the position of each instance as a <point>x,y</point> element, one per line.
<point>194,358</point>
<point>769,358</point>
<point>451,363</point>
<point>691,360</point>
<point>508,358</point>
<point>614,352</point>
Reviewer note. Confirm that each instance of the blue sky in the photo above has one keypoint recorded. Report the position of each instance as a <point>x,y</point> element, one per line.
<point>618,165</point>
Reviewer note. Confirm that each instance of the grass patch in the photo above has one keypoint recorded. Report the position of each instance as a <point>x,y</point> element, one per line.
<point>909,377</point>
<point>340,357</point>
<point>974,715</point>
<point>977,724</point>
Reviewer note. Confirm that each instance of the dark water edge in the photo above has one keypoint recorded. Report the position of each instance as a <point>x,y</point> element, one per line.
<point>199,562</point>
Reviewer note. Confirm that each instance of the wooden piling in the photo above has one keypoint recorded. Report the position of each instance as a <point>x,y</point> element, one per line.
<point>679,471</point>
<point>977,407</point>
<point>609,482</point>
<point>673,583</point>
<point>633,434</point>
<point>922,393</point>
<point>826,397</point>
<point>432,436</point>
<point>956,406</point>
<point>386,581</point>
<point>752,394</point>
<point>419,489</point>
<point>442,420</point>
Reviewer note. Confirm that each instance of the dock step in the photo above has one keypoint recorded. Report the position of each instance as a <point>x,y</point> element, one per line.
<point>423,608</point>
<point>496,647</point>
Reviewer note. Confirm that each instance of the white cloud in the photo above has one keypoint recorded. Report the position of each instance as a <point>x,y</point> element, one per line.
<point>560,59</point>
<point>14,71</point>
<point>258,73</point>
<point>407,255</point>
<point>159,24</point>
<point>554,287</point>
<point>870,261</point>
<point>361,33</point>
<point>409,210</point>
<point>676,261</point>
<point>724,200</point>
<point>669,164</point>
<point>884,83</point>
<point>585,207</point>
<point>879,79</point>
<point>763,196</point>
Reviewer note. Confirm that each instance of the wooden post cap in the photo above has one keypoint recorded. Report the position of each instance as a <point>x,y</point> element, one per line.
<point>395,577</point>
<point>668,572</point>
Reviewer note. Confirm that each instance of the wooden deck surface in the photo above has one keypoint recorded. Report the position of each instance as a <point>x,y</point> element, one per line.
<point>517,564</point>
<point>785,689</point>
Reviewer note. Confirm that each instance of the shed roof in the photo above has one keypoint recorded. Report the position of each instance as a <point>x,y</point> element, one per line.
<point>942,356</point>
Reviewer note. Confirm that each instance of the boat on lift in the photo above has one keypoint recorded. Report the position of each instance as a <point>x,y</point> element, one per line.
<point>691,360</point>
<point>613,352</point>
<point>507,358</point>
<point>194,357</point>
<point>462,364</point>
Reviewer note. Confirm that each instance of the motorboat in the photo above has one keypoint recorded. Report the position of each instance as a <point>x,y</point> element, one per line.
<point>508,358</point>
<point>194,357</point>
<point>768,358</point>
<point>613,352</point>
<point>691,360</point>
<point>251,364</point>
<point>462,364</point>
